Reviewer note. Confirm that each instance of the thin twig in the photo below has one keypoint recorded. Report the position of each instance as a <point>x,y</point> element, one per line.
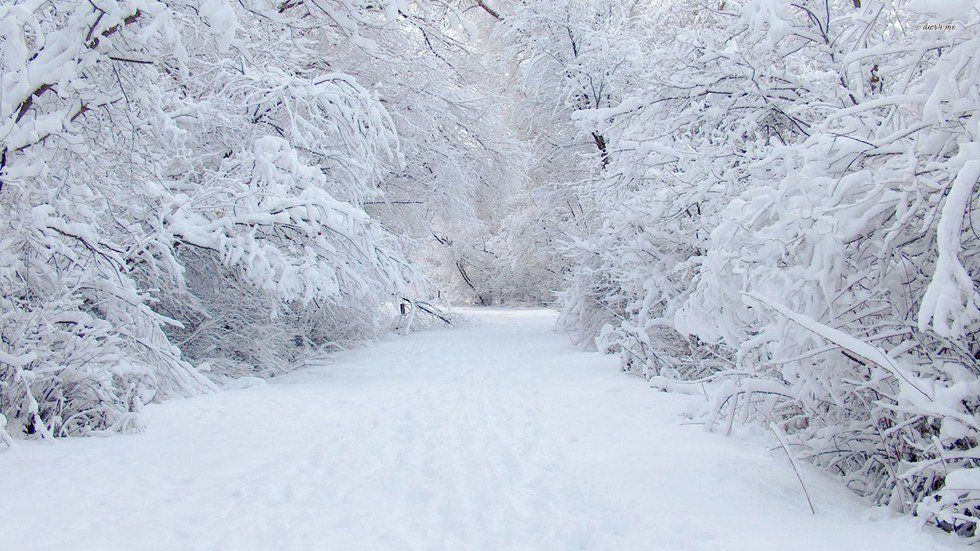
<point>796,467</point>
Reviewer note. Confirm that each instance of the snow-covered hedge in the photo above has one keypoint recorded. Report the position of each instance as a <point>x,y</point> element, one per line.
<point>181,199</point>
<point>787,213</point>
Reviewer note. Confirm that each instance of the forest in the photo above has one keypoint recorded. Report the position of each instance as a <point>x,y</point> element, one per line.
<point>770,204</point>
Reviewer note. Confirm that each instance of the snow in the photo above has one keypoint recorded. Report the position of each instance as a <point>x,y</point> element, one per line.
<point>847,342</point>
<point>499,434</point>
<point>950,301</point>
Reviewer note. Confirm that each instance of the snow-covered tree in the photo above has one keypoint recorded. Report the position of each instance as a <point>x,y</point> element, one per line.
<point>182,198</point>
<point>785,216</point>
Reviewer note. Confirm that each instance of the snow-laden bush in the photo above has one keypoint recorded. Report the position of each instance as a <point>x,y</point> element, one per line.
<point>181,190</point>
<point>787,215</point>
<point>850,275</point>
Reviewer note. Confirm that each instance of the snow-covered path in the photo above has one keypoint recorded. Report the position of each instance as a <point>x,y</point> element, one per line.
<point>496,435</point>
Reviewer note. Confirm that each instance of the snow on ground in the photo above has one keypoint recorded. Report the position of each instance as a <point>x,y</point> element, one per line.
<point>496,435</point>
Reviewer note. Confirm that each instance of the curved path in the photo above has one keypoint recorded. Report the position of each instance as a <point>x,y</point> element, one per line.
<point>496,435</point>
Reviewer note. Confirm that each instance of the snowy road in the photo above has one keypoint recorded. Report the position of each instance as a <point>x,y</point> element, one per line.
<point>497,435</point>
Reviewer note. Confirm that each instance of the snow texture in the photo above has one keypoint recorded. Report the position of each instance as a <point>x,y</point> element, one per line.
<point>496,435</point>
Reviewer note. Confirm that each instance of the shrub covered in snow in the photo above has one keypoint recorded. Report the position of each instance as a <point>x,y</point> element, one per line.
<point>785,211</point>
<point>182,193</point>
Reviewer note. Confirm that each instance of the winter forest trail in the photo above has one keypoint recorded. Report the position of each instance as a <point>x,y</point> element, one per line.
<point>495,435</point>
